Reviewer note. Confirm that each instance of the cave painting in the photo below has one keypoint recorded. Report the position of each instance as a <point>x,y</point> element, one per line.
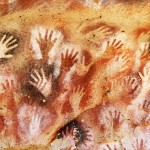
<point>75,75</point>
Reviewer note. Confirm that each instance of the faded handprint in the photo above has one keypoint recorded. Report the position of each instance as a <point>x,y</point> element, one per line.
<point>113,47</point>
<point>145,118</point>
<point>75,99</point>
<point>116,120</point>
<point>104,31</point>
<point>145,52</point>
<point>141,56</point>
<point>8,86</point>
<point>115,89</point>
<point>68,60</point>
<point>114,84</point>
<point>122,61</point>
<point>103,129</point>
<point>117,64</point>
<point>139,145</point>
<point>108,147</point>
<point>131,84</point>
<point>99,33</point>
<point>35,122</point>
<point>9,89</point>
<point>145,78</point>
<point>6,45</point>
<point>46,43</point>
<point>82,68</point>
<point>40,81</point>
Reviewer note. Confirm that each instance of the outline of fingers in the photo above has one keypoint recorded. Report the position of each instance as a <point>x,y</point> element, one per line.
<point>122,60</point>
<point>46,40</point>
<point>46,83</point>
<point>37,79</point>
<point>138,144</point>
<point>35,122</point>
<point>131,82</point>
<point>79,90</point>
<point>146,72</point>
<point>44,80</point>
<point>81,66</point>
<point>114,148</point>
<point>76,97</point>
<point>115,44</point>
<point>105,30</point>
<point>83,62</point>
<point>3,39</point>
<point>147,47</point>
<point>50,37</point>
<point>38,40</point>
<point>146,105</point>
<point>47,37</point>
<point>37,119</point>
<point>8,44</point>
<point>123,57</point>
<point>144,33</point>
<point>9,85</point>
<point>109,148</point>
<point>69,55</point>
<point>73,55</point>
<point>145,51</point>
<point>116,118</point>
<point>114,84</point>
<point>141,76</point>
<point>41,83</point>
